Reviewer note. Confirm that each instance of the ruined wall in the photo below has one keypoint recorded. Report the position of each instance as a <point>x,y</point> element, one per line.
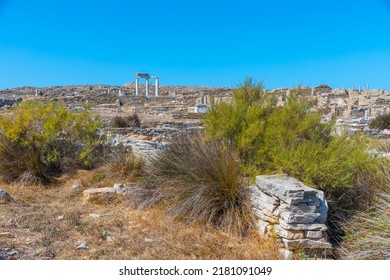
<point>294,213</point>
<point>343,103</point>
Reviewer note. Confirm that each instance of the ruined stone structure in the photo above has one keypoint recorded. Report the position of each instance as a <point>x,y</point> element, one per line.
<point>292,212</point>
<point>146,76</point>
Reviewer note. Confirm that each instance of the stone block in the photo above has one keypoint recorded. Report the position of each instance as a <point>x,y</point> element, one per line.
<point>305,227</point>
<point>297,208</point>
<point>262,226</point>
<point>288,234</point>
<point>305,243</point>
<point>101,195</point>
<point>314,234</point>
<point>281,186</point>
<point>268,218</point>
<point>305,218</point>
<point>255,191</point>
<point>5,197</point>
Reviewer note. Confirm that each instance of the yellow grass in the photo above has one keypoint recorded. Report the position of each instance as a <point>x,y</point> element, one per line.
<point>31,227</point>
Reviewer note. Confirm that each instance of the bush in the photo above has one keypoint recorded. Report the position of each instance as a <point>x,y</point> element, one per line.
<point>380,122</point>
<point>293,140</point>
<point>197,180</point>
<point>369,231</point>
<point>122,161</point>
<point>39,141</point>
<point>129,121</point>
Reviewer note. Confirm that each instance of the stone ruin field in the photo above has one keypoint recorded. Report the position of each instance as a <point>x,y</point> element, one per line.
<point>64,222</point>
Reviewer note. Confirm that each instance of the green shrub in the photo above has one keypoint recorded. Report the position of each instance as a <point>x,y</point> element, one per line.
<point>380,122</point>
<point>129,121</point>
<point>39,141</point>
<point>197,180</point>
<point>293,140</point>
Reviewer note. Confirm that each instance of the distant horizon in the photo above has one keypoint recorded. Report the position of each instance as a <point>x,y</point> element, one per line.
<point>362,87</point>
<point>285,44</point>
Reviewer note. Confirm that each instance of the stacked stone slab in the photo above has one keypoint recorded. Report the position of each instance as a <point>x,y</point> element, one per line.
<point>294,213</point>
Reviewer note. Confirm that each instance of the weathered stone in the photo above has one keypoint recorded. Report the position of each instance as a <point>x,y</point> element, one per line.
<point>288,234</point>
<point>297,208</point>
<point>101,195</point>
<point>118,188</point>
<point>314,234</point>
<point>76,186</point>
<point>282,186</point>
<point>304,218</point>
<point>262,226</point>
<point>305,243</point>
<point>314,227</point>
<point>268,218</point>
<point>82,246</point>
<point>5,197</point>
<point>286,254</point>
<point>255,191</point>
<point>262,205</point>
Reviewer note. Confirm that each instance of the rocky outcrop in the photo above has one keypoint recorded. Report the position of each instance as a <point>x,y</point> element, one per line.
<point>5,197</point>
<point>294,213</point>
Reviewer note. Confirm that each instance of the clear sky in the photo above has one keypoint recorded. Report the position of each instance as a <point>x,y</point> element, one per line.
<point>342,43</point>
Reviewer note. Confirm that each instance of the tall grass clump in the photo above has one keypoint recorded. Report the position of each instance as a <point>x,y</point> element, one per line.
<point>121,160</point>
<point>292,139</point>
<point>128,121</point>
<point>41,140</point>
<point>380,122</point>
<point>369,231</point>
<point>197,181</point>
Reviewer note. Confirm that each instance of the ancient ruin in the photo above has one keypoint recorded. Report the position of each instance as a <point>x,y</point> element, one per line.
<point>146,76</point>
<point>292,212</point>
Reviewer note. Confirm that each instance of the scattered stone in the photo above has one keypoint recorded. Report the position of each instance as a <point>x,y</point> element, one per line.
<point>82,246</point>
<point>148,240</point>
<point>102,195</point>
<point>287,255</point>
<point>61,217</point>
<point>5,197</point>
<point>119,188</point>
<point>93,215</point>
<point>76,186</point>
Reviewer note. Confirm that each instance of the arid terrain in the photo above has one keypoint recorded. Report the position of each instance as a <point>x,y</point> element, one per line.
<point>59,221</point>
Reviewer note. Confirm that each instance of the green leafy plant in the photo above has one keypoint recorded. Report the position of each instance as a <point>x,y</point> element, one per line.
<point>38,140</point>
<point>271,139</point>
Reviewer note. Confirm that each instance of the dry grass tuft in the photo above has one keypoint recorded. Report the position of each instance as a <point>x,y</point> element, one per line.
<point>112,231</point>
<point>123,162</point>
<point>129,121</point>
<point>198,181</point>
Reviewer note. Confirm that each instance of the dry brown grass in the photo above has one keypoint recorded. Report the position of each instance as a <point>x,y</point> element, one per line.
<point>34,231</point>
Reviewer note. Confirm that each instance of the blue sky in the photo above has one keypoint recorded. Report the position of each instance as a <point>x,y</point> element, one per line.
<point>195,42</point>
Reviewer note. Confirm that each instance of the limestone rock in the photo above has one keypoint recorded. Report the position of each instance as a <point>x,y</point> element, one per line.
<point>314,226</point>
<point>289,234</point>
<point>267,218</point>
<point>262,226</point>
<point>101,195</point>
<point>5,197</point>
<point>287,255</point>
<point>304,218</point>
<point>82,246</point>
<point>306,243</point>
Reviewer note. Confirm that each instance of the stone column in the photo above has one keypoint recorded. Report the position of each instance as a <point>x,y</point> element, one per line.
<point>156,86</point>
<point>147,87</point>
<point>136,86</point>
